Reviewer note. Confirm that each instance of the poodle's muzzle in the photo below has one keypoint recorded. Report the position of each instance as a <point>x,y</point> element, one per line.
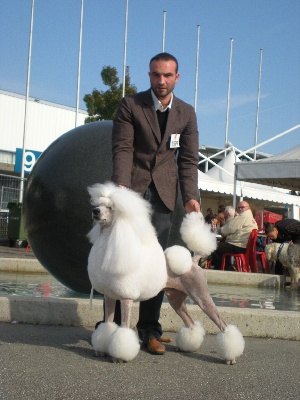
<point>96,213</point>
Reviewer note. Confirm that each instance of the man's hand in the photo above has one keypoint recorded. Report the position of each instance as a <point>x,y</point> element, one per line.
<point>192,205</point>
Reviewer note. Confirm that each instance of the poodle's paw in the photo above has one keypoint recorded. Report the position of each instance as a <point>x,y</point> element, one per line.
<point>230,344</point>
<point>101,338</point>
<point>190,338</point>
<point>124,345</point>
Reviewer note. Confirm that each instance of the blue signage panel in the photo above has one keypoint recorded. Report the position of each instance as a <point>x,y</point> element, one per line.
<point>30,158</point>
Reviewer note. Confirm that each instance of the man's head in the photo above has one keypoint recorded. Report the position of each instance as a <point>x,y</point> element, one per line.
<point>271,230</point>
<point>163,76</point>
<point>229,212</point>
<point>243,206</point>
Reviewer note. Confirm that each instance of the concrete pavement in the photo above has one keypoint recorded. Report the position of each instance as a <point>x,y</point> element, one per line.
<point>55,362</point>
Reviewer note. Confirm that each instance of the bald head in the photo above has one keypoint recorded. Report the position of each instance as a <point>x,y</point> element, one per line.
<point>243,206</point>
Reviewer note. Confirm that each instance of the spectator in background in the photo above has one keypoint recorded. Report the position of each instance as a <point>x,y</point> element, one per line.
<point>284,230</point>
<point>221,216</point>
<point>229,213</point>
<point>213,221</point>
<point>236,233</point>
<point>209,213</point>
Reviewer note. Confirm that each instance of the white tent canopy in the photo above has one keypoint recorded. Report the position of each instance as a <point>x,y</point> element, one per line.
<point>220,179</point>
<point>282,170</point>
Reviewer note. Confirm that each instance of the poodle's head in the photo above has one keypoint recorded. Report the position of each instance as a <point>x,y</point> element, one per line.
<point>112,203</point>
<point>103,205</point>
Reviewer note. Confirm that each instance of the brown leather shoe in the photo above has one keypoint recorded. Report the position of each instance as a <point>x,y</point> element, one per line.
<point>154,346</point>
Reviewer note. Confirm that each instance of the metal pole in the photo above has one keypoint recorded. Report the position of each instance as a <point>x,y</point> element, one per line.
<point>125,47</point>
<point>258,101</point>
<point>79,65</point>
<point>164,32</point>
<point>26,106</point>
<point>228,93</point>
<point>197,63</point>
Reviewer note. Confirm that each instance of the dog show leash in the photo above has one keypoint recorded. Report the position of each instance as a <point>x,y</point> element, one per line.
<point>279,251</point>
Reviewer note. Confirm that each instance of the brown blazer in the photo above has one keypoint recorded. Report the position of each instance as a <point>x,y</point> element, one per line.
<point>141,156</point>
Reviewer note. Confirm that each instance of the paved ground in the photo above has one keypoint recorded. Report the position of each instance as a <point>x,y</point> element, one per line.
<point>15,252</point>
<point>54,362</point>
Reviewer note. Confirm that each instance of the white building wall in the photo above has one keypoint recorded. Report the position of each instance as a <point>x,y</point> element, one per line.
<point>45,122</point>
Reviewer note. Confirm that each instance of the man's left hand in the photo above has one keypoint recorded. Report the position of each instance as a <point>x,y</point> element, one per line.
<point>192,205</point>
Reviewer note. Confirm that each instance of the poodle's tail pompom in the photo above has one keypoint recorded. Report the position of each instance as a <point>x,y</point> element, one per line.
<point>101,337</point>
<point>190,339</point>
<point>178,259</point>
<point>230,344</point>
<point>124,345</point>
<point>196,233</point>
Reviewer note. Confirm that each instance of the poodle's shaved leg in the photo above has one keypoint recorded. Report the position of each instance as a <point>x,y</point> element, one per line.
<point>126,307</point>
<point>110,305</point>
<point>177,302</point>
<point>195,284</point>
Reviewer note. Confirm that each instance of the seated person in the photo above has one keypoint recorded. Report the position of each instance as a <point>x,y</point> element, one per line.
<point>221,216</point>
<point>236,233</point>
<point>229,213</point>
<point>209,213</point>
<point>213,221</point>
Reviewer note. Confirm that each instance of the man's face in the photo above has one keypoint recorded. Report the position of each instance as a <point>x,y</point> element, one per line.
<point>243,206</point>
<point>274,234</point>
<point>163,78</point>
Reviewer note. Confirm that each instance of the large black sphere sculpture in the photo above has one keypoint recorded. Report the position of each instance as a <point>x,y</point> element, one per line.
<point>56,208</point>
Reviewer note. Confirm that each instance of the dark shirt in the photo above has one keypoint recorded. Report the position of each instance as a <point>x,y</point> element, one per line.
<point>288,230</point>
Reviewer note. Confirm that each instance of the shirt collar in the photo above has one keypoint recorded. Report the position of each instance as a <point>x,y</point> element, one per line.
<point>158,105</point>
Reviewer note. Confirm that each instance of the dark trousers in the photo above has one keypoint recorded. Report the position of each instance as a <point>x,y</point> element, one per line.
<point>224,247</point>
<point>148,324</point>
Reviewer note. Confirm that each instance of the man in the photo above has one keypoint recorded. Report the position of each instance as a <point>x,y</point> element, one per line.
<point>229,213</point>
<point>155,145</point>
<point>236,233</point>
<point>284,230</point>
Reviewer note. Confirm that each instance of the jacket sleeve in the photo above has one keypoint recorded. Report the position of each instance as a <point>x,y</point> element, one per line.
<point>188,158</point>
<point>122,144</point>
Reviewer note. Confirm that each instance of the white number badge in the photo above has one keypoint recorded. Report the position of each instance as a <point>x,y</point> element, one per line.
<point>175,137</point>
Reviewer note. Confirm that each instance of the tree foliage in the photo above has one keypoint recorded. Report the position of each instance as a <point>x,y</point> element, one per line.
<point>102,105</point>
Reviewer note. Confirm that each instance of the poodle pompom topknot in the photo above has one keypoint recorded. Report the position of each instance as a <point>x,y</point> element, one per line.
<point>190,338</point>
<point>230,344</point>
<point>196,233</point>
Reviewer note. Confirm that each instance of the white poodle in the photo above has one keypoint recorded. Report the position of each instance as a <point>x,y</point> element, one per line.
<point>288,254</point>
<point>127,263</point>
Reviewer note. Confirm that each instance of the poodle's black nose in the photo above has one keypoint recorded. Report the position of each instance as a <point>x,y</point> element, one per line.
<point>96,211</point>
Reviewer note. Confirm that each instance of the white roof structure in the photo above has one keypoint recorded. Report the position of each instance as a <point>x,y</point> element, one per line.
<point>220,179</point>
<point>282,170</point>
<point>45,123</point>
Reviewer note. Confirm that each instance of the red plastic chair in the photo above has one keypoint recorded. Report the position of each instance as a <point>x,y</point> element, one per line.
<point>245,262</point>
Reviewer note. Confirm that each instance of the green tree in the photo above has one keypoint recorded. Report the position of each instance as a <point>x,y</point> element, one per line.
<point>102,105</point>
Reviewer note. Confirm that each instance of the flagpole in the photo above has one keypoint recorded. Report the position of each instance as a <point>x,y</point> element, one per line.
<point>79,64</point>
<point>164,32</point>
<point>26,106</point>
<point>258,104</point>
<point>228,93</point>
<point>197,64</point>
<point>125,47</point>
